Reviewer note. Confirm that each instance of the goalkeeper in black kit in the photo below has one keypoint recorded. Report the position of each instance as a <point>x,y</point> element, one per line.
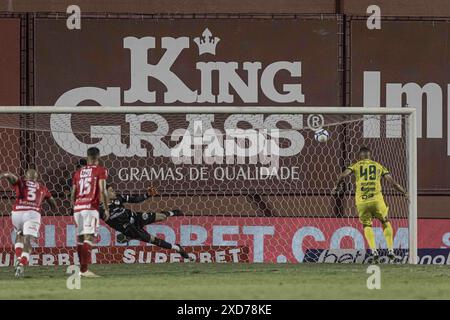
<point>131,224</point>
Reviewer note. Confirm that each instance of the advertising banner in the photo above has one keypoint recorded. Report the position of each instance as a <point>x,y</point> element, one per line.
<point>188,61</point>
<point>219,239</point>
<point>201,62</point>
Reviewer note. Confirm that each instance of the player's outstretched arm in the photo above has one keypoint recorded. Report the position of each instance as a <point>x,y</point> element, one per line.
<point>151,192</point>
<point>340,180</point>
<point>396,185</point>
<point>134,198</point>
<point>12,178</point>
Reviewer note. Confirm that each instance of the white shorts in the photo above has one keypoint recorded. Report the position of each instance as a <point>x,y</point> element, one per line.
<point>26,223</point>
<point>87,222</point>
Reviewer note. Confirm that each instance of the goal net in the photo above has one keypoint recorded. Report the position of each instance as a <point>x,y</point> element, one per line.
<point>254,183</point>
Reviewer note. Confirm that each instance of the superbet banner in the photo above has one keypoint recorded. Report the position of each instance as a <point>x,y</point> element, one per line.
<point>229,240</point>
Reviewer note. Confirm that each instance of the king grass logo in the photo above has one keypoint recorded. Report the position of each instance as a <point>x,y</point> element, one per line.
<point>223,146</point>
<point>246,80</point>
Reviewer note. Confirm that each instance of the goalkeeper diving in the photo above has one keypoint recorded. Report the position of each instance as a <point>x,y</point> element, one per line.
<point>369,198</point>
<point>131,223</point>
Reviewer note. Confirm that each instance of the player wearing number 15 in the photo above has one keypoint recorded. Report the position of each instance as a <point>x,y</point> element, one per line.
<point>88,190</point>
<point>369,197</point>
<point>26,213</point>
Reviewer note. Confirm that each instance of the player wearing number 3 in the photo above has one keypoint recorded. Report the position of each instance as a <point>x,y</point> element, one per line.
<point>26,213</point>
<point>369,197</point>
<point>88,190</point>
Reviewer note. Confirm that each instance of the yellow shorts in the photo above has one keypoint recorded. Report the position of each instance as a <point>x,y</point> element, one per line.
<point>372,210</point>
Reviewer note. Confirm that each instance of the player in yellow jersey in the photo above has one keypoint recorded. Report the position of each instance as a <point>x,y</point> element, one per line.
<point>369,197</point>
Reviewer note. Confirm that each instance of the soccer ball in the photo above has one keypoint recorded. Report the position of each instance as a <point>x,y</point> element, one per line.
<point>321,135</point>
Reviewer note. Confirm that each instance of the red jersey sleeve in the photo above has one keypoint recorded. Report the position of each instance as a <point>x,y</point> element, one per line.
<point>103,173</point>
<point>47,194</point>
<point>18,187</point>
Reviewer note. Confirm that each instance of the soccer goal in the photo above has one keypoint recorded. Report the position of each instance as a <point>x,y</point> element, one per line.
<point>254,183</point>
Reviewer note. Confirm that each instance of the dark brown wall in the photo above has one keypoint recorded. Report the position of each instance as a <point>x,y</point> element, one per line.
<point>10,61</point>
<point>174,6</point>
<point>423,8</point>
<point>10,89</point>
<point>436,8</point>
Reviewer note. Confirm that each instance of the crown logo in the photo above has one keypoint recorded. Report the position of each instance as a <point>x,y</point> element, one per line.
<point>206,43</point>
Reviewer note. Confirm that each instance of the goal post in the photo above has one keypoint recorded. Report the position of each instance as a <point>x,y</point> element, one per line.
<point>254,183</point>
<point>412,185</point>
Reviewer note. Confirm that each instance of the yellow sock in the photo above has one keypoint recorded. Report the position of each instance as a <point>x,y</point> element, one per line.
<point>388,234</point>
<point>370,236</point>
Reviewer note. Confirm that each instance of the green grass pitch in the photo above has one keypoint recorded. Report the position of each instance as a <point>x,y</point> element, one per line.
<point>231,281</point>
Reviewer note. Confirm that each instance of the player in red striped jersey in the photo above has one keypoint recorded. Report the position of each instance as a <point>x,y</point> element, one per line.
<point>26,213</point>
<point>88,190</point>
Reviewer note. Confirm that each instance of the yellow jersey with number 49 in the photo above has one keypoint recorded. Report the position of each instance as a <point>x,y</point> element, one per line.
<point>368,174</point>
